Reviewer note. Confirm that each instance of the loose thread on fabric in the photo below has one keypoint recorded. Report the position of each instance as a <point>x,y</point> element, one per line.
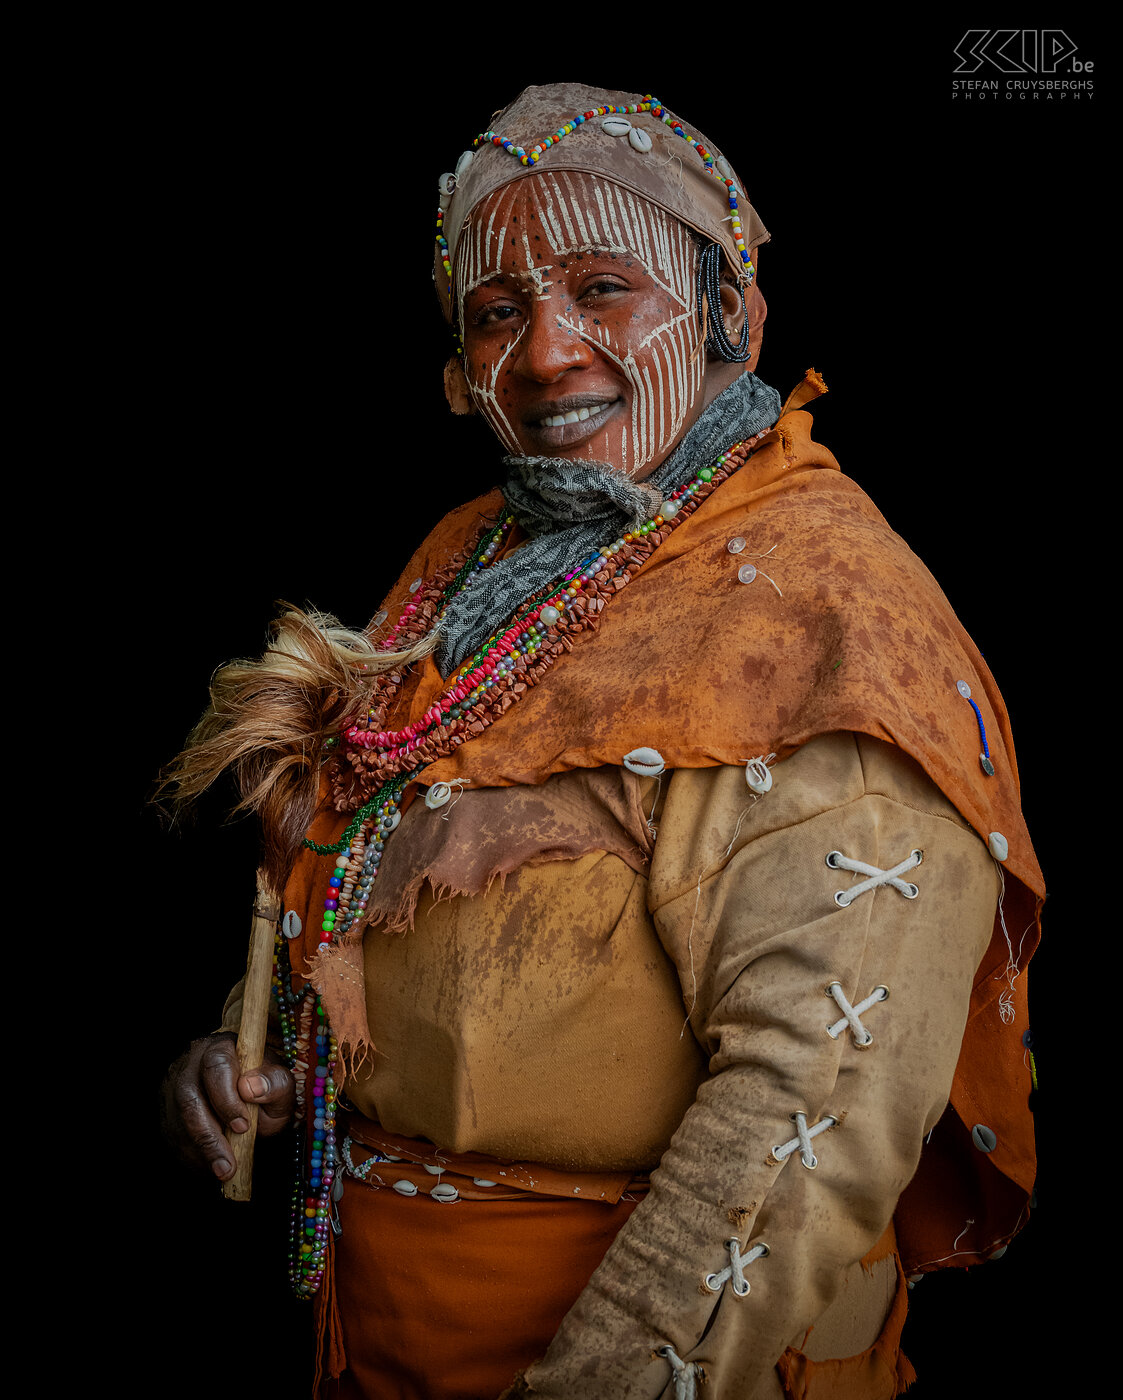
<point>456,782</point>
<point>649,821</point>
<point>761,572</point>
<point>737,828</point>
<point>1012,971</point>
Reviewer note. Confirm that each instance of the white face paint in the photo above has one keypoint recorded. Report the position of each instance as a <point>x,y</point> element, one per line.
<point>581,336</point>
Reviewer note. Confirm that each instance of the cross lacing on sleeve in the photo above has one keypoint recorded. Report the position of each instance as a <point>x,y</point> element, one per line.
<point>863,1038</point>
<point>735,1268</point>
<point>802,1140</point>
<point>837,861</point>
<point>686,1375</point>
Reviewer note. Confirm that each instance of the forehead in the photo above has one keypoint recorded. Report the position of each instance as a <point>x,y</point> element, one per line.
<point>529,225</point>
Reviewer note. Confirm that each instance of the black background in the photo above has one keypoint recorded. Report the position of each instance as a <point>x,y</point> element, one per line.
<point>272,390</point>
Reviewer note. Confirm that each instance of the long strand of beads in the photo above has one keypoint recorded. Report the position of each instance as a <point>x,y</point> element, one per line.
<point>312,1206</point>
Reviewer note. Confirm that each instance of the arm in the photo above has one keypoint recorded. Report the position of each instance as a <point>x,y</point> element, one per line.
<point>757,939</point>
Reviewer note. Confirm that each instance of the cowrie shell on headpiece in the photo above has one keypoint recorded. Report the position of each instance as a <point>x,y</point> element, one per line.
<point>437,796</point>
<point>758,775</point>
<point>648,763</point>
<point>639,140</point>
<point>724,168</point>
<point>463,163</point>
<point>447,183</point>
<point>616,126</point>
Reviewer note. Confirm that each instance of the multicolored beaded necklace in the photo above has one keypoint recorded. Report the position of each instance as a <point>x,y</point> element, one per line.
<point>511,661</point>
<point>531,157</point>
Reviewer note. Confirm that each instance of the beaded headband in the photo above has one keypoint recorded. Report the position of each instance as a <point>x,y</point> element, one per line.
<point>665,181</point>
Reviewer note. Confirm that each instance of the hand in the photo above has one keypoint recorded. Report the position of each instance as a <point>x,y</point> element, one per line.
<point>205,1093</point>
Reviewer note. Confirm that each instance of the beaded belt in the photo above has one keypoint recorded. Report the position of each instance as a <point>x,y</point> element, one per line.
<point>413,1167</point>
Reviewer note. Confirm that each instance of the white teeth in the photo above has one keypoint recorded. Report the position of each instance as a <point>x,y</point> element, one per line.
<point>578,416</point>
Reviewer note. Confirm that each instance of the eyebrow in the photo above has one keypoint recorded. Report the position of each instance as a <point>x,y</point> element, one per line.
<point>524,279</point>
<point>603,248</point>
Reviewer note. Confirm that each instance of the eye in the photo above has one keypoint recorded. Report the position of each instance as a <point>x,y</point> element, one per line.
<point>601,287</point>
<point>494,313</point>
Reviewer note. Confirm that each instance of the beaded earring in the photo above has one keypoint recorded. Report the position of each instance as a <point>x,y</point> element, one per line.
<point>710,317</point>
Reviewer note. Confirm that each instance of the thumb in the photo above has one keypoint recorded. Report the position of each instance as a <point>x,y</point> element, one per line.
<point>271,1088</point>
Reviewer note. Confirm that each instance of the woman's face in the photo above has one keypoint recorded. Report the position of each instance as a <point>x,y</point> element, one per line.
<point>581,337</point>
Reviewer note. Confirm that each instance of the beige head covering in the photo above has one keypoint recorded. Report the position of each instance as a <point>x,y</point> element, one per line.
<point>654,162</point>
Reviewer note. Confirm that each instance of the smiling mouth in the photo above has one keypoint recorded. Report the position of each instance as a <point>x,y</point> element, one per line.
<point>573,419</point>
<point>575,415</point>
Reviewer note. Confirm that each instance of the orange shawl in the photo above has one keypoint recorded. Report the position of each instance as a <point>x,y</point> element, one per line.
<point>853,635</point>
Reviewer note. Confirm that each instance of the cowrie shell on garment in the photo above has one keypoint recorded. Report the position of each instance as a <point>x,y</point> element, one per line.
<point>758,775</point>
<point>291,925</point>
<point>648,763</point>
<point>463,163</point>
<point>447,183</point>
<point>445,1192</point>
<point>616,126</point>
<point>998,846</point>
<point>724,168</point>
<point>964,689</point>
<point>639,140</point>
<point>405,1188</point>
<point>746,573</point>
<point>437,796</point>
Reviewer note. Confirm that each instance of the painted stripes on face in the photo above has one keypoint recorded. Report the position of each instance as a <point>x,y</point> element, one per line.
<point>534,334</point>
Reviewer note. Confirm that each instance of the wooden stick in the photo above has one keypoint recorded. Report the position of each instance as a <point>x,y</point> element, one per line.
<point>255,1020</point>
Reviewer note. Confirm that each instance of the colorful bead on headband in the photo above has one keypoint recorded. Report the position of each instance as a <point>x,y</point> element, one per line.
<point>719,169</point>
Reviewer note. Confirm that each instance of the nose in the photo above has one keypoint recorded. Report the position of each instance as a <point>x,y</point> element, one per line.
<point>551,345</point>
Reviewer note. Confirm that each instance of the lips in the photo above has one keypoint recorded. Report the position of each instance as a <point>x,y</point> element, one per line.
<point>567,422</point>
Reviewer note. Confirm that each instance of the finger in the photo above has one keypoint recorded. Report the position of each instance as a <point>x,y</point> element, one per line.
<point>272,1088</point>
<point>201,1129</point>
<point>219,1071</point>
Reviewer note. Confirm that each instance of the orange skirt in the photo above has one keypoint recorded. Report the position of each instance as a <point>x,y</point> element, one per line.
<point>431,1299</point>
<point>449,1296</point>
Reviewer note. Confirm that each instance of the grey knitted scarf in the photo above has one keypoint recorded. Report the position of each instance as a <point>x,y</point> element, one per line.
<point>569,509</point>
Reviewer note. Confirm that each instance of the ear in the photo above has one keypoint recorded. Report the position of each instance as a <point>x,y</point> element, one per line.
<point>732,310</point>
<point>457,393</point>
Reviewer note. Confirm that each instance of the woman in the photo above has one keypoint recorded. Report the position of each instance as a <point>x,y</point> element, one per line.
<point>604,850</point>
